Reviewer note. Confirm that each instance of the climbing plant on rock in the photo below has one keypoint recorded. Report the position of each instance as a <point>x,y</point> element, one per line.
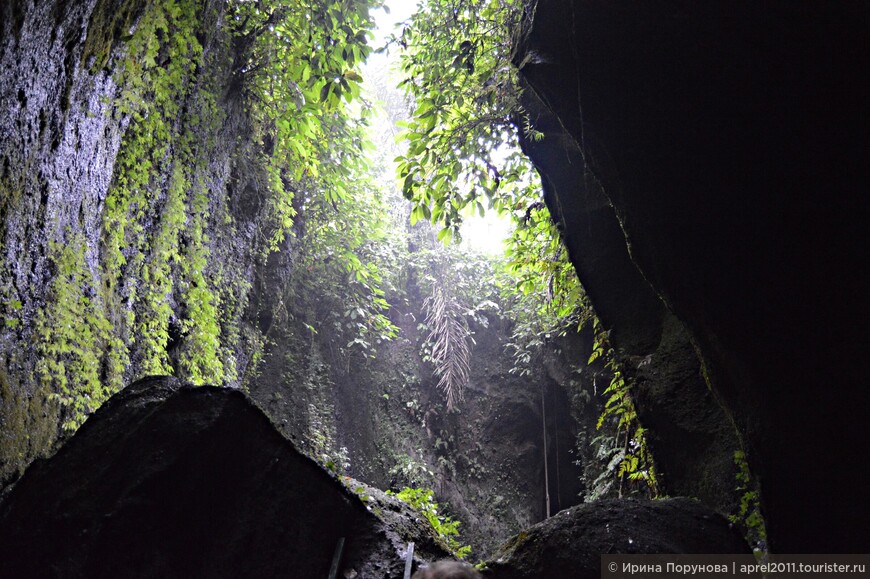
<point>632,461</point>
<point>445,527</point>
<point>74,340</point>
<point>155,211</point>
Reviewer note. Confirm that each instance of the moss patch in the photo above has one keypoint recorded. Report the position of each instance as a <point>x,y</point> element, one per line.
<point>28,427</point>
<point>111,21</point>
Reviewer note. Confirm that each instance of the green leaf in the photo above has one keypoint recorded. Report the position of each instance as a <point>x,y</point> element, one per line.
<point>324,92</point>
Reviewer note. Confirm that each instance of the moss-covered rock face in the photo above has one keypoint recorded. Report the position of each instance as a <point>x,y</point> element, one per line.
<point>120,252</point>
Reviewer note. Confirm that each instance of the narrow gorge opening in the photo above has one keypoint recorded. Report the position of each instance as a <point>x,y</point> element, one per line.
<point>500,260</point>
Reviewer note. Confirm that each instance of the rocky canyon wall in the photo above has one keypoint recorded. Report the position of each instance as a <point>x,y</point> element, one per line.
<point>129,215</point>
<point>134,241</point>
<point>708,164</point>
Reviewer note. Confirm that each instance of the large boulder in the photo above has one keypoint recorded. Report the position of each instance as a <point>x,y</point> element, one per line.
<point>571,543</point>
<point>168,480</point>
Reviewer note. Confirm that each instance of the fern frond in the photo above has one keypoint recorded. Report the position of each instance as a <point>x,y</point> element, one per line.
<point>448,338</point>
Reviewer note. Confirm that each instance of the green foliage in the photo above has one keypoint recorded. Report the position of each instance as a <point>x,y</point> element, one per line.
<point>748,515</point>
<point>462,148</point>
<point>154,217</point>
<point>297,64</point>
<point>609,454</point>
<point>409,470</point>
<point>360,491</point>
<point>463,156</point>
<point>339,463</point>
<point>633,462</point>
<point>298,68</point>
<point>446,528</point>
<point>461,289</point>
<point>344,259</point>
<point>539,264</point>
<point>312,377</point>
<point>154,311</point>
<point>200,359</point>
<point>80,359</point>
<point>321,437</point>
<point>541,288</point>
<point>10,319</point>
<point>157,210</point>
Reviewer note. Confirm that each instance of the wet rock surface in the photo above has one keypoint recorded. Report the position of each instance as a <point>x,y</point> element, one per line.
<point>58,145</point>
<point>67,100</point>
<point>173,481</point>
<point>570,544</point>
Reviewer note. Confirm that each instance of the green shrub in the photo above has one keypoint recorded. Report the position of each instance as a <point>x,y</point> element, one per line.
<point>447,529</point>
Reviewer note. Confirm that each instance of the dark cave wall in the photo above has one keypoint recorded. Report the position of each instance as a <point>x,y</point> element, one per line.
<point>693,440</point>
<point>719,151</point>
